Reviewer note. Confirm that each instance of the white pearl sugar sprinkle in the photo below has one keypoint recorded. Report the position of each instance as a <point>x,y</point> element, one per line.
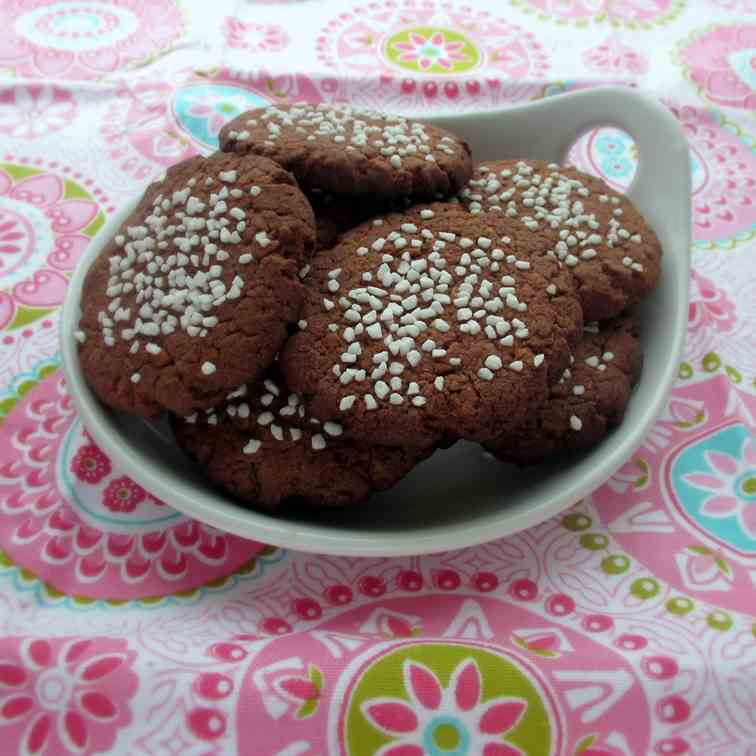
<point>410,299</point>
<point>173,264</point>
<point>551,199</point>
<point>396,138</point>
<point>266,420</point>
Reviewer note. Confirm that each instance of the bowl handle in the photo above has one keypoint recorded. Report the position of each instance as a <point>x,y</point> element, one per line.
<point>548,128</point>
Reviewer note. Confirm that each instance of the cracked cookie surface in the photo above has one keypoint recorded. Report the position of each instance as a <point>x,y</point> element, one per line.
<point>599,236</point>
<point>193,295</point>
<point>346,151</point>
<point>262,446</point>
<point>431,324</point>
<point>586,402</point>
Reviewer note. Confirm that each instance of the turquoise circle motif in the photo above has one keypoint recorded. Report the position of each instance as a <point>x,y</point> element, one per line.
<point>613,149</point>
<point>731,522</point>
<point>431,745</point>
<point>202,110</point>
<point>77,27</point>
<point>77,24</point>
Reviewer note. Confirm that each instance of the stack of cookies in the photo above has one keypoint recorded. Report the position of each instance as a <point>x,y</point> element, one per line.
<point>337,293</point>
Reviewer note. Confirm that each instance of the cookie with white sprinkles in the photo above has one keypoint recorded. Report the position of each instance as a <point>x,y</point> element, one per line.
<point>431,324</point>
<point>360,153</point>
<point>262,446</point>
<point>193,295</point>
<point>612,253</point>
<point>586,402</point>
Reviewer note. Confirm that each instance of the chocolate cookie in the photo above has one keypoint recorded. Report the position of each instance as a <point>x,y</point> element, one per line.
<point>177,173</point>
<point>611,252</point>
<point>432,324</point>
<point>193,295</point>
<point>262,446</point>
<point>360,153</point>
<point>587,401</point>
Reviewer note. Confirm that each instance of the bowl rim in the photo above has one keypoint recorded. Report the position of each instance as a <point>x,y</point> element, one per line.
<point>612,105</point>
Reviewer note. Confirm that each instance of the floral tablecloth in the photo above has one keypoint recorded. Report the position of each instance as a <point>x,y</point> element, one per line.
<point>625,626</point>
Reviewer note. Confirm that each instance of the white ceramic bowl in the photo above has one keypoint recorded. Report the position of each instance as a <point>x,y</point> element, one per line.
<point>458,497</point>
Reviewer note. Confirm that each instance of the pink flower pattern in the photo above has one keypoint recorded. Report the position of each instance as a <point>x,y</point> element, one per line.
<point>709,307</point>
<point>375,46</point>
<point>64,695</point>
<point>731,482</point>
<point>29,112</point>
<point>432,50</point>
<point>412,723</point>
<point>123,495</point>
<point>47,529</point>
<point>90,464</point>
<point>44,39</point>
<point>613,57</point>
<point>545,587</point>
<point>43,231</point>
<point>252,37</point>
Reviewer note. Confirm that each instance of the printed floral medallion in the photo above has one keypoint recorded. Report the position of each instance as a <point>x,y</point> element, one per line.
<point>65,695</point>
<point>151,124</point>
<point>85,529</point>
<point>428,697</point>
<point>35,110</point>
<point>439,666</point>
<point>252,37</point>
<point>615,57</point>
<point>633,14</point>
<point>713,479</point>
<point>462,674</point>
<point>439,51</point>
<point>48,215</point>
<point>51,39</point>
<point>721,62</point>
<point>692,488</point>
